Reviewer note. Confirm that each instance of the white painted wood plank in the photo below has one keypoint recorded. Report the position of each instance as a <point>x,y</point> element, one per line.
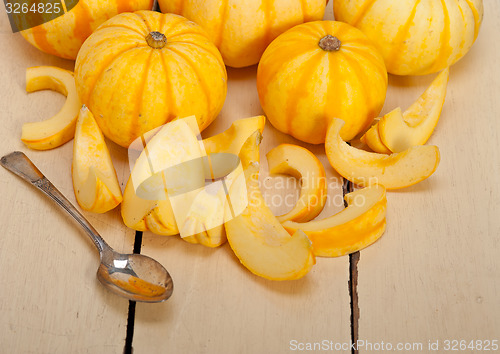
<point>435,274</point>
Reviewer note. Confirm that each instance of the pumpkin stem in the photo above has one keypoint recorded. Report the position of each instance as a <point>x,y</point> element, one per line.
<point>329,43</point>
<point>156,40</point>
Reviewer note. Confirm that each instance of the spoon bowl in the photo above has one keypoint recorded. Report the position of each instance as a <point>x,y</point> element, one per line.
<point>133,276</point>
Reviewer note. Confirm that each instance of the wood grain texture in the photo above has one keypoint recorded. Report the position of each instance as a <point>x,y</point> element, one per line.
<point>435,273</point>
<point>50,298</point>
<point>218,306</point>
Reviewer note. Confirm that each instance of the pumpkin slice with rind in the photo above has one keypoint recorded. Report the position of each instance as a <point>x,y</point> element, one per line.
<point>257,238</point>
<point>94,177</point>
<point>397,131</point>
<point>363,168</point>
<point>354,228</point>
<point>302,164</point>
<point>416,125</point>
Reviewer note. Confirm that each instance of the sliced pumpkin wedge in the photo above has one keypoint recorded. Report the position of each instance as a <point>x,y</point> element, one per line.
<point>94,177</point>
<point>354,228</point>
<point>418,122</point>
<point>363,168</point>
<point>396,131</point>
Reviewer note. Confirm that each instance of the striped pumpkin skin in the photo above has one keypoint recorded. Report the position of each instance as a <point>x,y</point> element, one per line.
<point>302,87</point>
<point>242,29</point>
<point>416,37</point>
<point>64,35</point>
<point>132,88</point>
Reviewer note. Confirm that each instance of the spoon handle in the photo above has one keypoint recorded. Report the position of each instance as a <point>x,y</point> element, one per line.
<point>18,163</point>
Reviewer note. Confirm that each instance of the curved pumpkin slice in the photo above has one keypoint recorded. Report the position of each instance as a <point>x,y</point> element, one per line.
<point>372,138</point>
<point>302,164</point>
<point>94,177</point>
<point>257,238</point>
<point>59,129</point>
<point>416,125</point>
<point>354,228</point>
<point>363,168</point>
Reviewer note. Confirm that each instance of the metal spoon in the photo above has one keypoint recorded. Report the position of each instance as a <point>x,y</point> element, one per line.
<point>133,276</point>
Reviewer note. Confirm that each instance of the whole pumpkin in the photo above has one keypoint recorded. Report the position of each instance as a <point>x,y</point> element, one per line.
<point>242,29</point>
<point>64,35</point>
<point>318,71</point>
<point>416,37</point>
<point>140,70</point>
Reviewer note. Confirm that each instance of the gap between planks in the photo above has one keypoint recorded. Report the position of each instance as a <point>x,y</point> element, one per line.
<point>353,294</point>
<point>128,349</point>
<point>353,282</point>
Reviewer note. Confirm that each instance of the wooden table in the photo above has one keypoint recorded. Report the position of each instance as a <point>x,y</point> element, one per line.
<point>433,276</point>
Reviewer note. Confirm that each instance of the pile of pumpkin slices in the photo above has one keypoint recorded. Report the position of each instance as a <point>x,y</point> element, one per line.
<point>232,207</point>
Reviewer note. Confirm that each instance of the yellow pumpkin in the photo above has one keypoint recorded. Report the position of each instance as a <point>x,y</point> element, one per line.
<point>64,35</point>
<point>140,70</point>
<point>318,71</point>
<point>416,37</point>
<point>242,29</point>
